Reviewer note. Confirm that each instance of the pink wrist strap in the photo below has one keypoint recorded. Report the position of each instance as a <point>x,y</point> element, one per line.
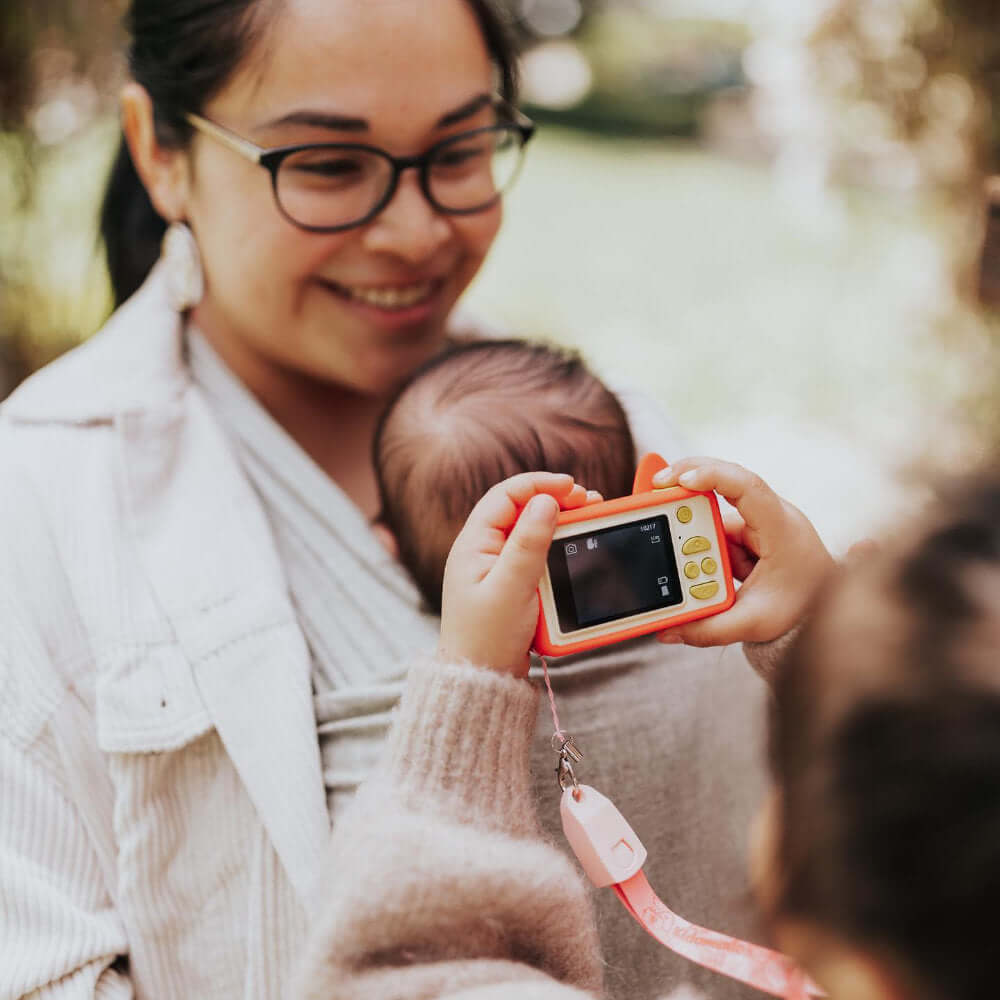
<point>611,854</point>
<point>752,964</point>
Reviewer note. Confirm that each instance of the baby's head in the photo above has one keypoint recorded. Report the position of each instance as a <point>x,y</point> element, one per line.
<point>477,414</point>
<point>882,856</point>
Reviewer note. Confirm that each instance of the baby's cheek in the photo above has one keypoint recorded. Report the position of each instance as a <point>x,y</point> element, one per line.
<point>386,539</point>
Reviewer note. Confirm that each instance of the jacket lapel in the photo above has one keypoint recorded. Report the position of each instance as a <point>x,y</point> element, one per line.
<point>206,547</point>
<point>207,550</point>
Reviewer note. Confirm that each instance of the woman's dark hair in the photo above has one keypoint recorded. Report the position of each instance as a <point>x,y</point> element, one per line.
<point>885,745</point>
<point>183,52</point>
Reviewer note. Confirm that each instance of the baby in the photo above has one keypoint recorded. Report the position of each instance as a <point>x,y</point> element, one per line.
<point>478,414</point>
<point>498,908</point>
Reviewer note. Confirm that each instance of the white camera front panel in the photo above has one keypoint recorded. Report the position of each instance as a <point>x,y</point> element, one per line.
<point>700,571</point>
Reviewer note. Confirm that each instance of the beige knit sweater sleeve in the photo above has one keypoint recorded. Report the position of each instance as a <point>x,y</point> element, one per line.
<point>440,883</point>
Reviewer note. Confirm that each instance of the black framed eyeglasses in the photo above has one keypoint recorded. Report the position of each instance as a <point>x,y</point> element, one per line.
<point>327,187</point>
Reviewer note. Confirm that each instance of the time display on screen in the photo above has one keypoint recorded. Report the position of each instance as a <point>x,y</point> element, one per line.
<point>602,576</point>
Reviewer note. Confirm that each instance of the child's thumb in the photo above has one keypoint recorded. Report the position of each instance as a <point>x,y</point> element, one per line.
<point>522,559</point>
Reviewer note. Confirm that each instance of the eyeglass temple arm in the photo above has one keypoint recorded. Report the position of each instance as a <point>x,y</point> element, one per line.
<point>517,116</point>
<point>242,146</point>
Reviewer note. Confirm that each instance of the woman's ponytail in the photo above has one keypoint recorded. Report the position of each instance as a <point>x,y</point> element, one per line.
<point>182,52</point>
<point>130,227</point>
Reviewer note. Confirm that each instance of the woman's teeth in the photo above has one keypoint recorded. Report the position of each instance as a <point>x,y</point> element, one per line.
<point>391,298</point>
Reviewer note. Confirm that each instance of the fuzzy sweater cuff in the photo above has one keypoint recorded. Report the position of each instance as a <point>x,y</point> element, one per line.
<point>460,746</point>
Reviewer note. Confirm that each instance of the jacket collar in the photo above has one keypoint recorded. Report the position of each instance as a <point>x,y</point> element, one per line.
<point>135,364</point>
<point>208,553</point>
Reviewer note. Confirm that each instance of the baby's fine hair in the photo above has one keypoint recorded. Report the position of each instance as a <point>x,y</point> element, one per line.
<point>473,416</point>
<point>885,744</point>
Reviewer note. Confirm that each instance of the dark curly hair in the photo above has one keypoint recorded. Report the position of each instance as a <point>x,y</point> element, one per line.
<point>885,745</point>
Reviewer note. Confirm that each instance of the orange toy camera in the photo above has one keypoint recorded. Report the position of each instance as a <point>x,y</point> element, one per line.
<point>627,567</point>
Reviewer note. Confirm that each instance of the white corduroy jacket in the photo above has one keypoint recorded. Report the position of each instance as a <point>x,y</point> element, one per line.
<point>161,794</point>
<point>157,733</point>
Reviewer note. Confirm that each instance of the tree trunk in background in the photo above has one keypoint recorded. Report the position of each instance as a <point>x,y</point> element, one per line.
<point>20,28</point>
<point>43,43</point>
<point>14,368</point>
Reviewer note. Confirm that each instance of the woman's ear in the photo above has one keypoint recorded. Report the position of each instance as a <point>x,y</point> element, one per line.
<point>163,171</point>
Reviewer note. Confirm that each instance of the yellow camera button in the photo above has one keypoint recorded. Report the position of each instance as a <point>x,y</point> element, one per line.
<point>691,570</point>
<point>697,543</point>
<point>703,591</point>
<point>684,514</point>
<point>709,565</point>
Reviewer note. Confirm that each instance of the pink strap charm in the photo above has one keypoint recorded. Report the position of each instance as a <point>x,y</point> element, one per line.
<point>605,845</point>
<point>611,854</point>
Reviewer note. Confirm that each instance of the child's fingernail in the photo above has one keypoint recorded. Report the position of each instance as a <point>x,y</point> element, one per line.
<point>542,507</point>
<point>594,495</point>
<point>664,477</point>
<point>688,478</point>
<point>670,639</point>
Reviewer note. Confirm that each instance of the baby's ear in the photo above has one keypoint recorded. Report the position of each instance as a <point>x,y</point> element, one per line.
<point>387,538</point>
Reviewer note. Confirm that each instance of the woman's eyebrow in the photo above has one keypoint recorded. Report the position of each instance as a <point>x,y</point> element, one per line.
<point>320,119</point>
<point>349,123</point>
<point>466,110</point>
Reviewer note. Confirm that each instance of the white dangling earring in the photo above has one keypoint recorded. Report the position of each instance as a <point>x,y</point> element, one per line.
<point>182,267</point>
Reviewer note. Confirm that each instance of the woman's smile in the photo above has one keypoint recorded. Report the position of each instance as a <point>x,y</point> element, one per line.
<point>391,306</point>
<point>390,297</point>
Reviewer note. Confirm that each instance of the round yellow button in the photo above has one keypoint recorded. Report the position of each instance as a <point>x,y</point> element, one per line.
<point>709,565</point>
<point>691,570</point>
<point>684,514</point>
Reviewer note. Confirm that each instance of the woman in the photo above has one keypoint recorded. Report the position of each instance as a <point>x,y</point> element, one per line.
<point>202,639</point>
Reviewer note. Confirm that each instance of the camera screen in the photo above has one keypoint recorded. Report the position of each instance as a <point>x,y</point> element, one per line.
<point>601,576</point>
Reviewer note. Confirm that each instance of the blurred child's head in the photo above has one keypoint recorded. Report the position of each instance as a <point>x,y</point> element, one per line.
<point>882,856</point>
<point>472,417</point>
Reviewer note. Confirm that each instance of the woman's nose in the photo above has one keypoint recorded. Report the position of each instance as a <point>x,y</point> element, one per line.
<point>409,226</point>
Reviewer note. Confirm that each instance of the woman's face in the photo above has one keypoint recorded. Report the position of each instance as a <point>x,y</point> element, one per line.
<point>361,308</point>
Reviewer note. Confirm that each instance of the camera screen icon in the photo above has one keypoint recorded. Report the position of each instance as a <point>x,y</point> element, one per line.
<point>571,549</point>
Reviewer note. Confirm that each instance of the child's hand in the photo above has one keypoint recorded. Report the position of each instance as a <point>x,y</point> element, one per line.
<point>489,606</point>
<point>773,549</point>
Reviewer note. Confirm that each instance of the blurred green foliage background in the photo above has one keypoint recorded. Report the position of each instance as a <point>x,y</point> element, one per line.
<point>767,215</point>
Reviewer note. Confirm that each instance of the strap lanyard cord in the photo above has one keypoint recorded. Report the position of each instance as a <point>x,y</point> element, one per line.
<point>612,855</point>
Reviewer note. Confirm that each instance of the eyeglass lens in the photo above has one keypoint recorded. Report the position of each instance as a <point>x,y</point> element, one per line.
<point>329,187</point>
